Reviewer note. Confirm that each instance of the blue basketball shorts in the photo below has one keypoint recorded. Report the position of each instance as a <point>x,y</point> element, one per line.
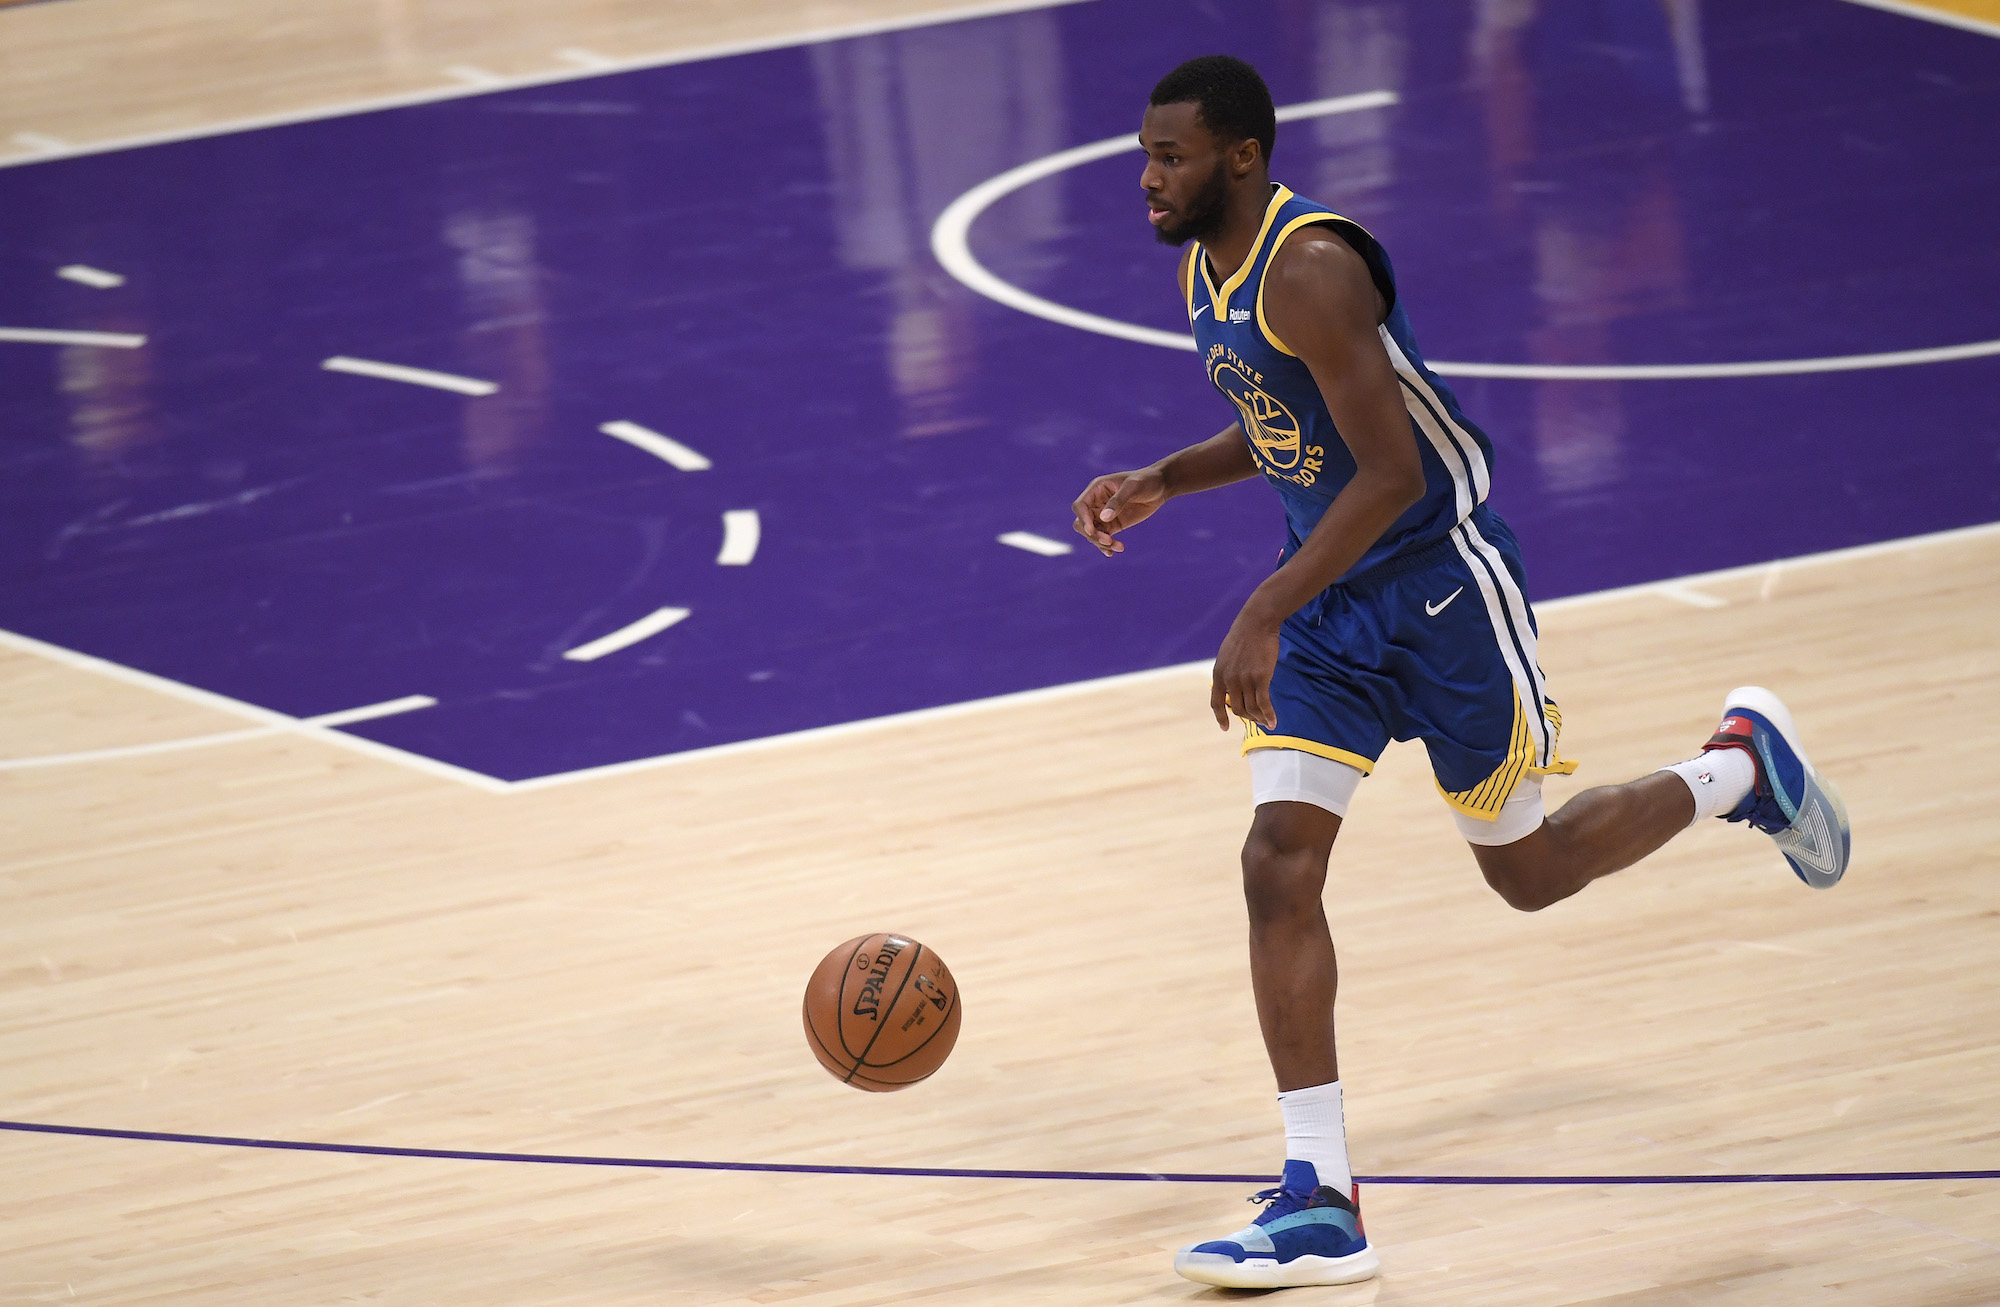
<point>1435,645</point>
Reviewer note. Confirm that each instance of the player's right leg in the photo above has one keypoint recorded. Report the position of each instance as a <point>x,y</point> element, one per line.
<point>1310,1229</point>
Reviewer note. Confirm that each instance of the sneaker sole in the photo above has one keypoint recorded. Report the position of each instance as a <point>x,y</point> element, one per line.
<point>1265,1273</point>
<point>1820,841</point>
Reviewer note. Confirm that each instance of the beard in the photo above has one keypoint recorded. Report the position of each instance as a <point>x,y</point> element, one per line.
<point>1203,218</point>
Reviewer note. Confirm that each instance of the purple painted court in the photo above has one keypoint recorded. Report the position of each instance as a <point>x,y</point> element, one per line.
<point>736,256</point>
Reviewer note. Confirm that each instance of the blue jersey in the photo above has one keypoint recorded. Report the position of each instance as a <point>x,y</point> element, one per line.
<point>1296,444</point>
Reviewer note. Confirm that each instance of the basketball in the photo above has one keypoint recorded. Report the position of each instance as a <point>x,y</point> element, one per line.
<point>881,1012</point>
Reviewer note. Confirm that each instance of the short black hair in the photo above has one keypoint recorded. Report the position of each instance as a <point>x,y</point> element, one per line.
<point>1232,99</point>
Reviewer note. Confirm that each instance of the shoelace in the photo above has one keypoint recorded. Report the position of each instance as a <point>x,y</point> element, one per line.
<point>1272,1195</point>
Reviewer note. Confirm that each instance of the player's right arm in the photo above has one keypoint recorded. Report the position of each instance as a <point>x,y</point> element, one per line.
<point>1118,500</point>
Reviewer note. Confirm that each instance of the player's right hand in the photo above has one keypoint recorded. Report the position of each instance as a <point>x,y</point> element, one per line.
<point>1115,501</point>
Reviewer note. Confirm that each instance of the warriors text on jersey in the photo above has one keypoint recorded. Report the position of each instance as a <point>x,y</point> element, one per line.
<point>1298,450</point>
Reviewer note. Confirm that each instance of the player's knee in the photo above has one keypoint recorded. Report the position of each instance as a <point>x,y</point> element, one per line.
<point>1281,877</point>
<point>1523,890</point>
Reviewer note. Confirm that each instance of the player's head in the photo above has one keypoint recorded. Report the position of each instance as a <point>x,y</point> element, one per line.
<point>1209,126</point>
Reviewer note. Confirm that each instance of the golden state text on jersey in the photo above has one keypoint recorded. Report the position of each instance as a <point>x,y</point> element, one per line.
<point>1284,416</point>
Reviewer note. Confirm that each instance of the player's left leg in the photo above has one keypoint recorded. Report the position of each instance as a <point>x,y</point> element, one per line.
<point>1753,769</point>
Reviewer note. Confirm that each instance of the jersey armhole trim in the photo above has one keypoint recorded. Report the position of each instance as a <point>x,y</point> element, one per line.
<point>1336,221</point>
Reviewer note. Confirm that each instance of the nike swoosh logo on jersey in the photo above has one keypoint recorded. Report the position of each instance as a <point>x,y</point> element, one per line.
<point>1198,312</point>
<point>1434,611</point>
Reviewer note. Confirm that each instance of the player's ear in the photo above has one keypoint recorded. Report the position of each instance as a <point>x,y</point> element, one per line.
<point>1245,157</point>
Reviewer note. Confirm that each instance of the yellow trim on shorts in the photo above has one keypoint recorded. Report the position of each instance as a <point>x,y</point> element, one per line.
<point>1558,766</point>
<point>1483,800</point>
<point>1256,737</point>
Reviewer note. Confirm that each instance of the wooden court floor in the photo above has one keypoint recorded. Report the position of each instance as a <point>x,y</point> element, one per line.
<point>279,938</point>
<point>282,939</point>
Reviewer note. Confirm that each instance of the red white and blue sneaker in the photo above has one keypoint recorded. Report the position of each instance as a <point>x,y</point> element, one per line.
<point>1791,802</point>
<point>1310,1233</point>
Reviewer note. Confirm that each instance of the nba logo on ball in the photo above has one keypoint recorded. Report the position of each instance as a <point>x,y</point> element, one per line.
<point>881,1012</point>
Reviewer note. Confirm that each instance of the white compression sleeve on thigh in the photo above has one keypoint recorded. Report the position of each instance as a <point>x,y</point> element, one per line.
<point>1520,817</point>
<point>1294,776</point>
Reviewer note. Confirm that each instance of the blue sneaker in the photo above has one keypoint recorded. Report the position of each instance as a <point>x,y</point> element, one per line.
<point>1309,1233</point>
<point>1793,804</point>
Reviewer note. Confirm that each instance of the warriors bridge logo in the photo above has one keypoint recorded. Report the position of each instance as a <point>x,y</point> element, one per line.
<point>1268,423</point>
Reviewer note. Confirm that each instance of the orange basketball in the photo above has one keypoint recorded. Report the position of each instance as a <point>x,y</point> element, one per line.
<point>881,1012</point>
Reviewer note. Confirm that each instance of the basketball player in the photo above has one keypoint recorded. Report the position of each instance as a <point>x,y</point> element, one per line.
<point>1396,612</point>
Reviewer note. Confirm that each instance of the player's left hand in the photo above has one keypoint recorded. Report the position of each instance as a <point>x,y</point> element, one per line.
<point>1243,670</point>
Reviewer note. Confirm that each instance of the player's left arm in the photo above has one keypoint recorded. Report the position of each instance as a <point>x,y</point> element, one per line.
<point>1320,300</point>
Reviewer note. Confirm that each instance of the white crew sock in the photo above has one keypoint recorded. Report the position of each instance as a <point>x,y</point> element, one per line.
<point>1316,1132</point>
<point>1718,779</point>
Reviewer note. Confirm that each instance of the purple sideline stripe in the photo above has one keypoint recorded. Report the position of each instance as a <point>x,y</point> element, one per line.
<point>962,1172</point>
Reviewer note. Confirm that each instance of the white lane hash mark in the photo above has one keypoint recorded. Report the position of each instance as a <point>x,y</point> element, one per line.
<point>1035,544</point>
<point>85,275</point>
<point>38,141</point>
<point>659,446</point>
<point>741,532</point>
<point>44,336</point>
<point>368,712</point>
<point>414,376</point>
<point>651,624</point>
<point>582,58</point>
<point>474,75</point>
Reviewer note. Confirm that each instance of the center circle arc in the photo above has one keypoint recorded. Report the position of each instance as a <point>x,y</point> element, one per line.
<point>951,246</point>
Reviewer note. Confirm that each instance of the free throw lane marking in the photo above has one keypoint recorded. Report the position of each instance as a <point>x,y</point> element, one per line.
<point>651,624</point>
<point>368,712</point>
<point>414,376</point>
<point>85,275</point>
<point>659,446</point>
<point>740,533</point>
<point>951,247</point>
<point>1035,544</point>
<point>44,336</point>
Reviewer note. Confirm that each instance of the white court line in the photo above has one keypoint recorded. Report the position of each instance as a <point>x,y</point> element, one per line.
<point>38,141</point>
<point>651,624</point>
<point>1959,21</point>
<point>474,75</point>
<point>1034,544</point>
<point>493,785</point>
<point>45,336</point>
<point>741,531</point>
<point>582,58</point>
<point>951,247</point>
<point>1054,692</point>
<point>659,446</point>
<point>414,376</point>
<point>432,95</point>
<point>1693,598</point>
<point>236,707</point>
<point>85,275</point>
<point>369,712</point>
